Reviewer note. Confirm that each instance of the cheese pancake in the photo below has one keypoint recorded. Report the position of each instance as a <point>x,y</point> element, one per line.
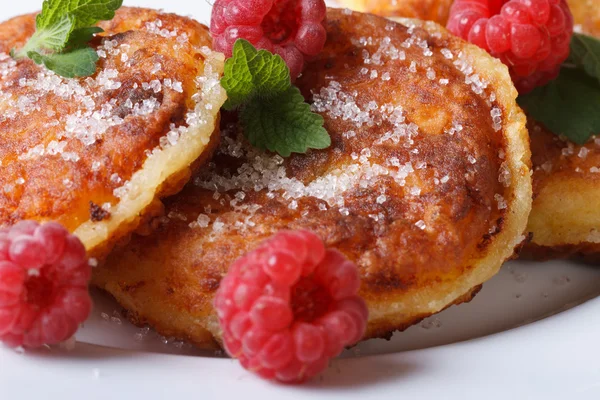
<point>564,221</point>
<point>96,153</point>
<point>426,185</point>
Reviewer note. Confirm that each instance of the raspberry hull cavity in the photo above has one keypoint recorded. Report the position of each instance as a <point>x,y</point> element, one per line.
<point>292,29</point>
<point>290,306</point>
<point>44,276</point>
<point>531,37</point>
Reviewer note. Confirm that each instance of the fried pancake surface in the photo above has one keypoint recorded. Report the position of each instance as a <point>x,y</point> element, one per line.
<point>564,221</point>
<point>95,154</point>
<point>426,185</point>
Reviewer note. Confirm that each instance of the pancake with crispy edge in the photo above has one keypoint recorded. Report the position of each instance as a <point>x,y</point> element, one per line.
<point>565,221</point>
<point>426,185</point>
<point>96,154</point>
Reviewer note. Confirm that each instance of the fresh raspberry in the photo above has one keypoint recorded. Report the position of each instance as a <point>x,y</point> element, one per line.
<point>293,29</point>
<point>531,37</point>
<point>44,277</point>
<point>289,306</point>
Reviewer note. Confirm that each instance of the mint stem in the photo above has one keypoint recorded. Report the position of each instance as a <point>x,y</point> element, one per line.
<point>32,44</point>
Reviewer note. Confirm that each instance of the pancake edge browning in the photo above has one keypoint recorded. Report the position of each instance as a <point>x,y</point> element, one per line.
<point>163,173</point>
<point>564,221</point>
<point>561,222</point>
<point>167,170</point>
<point>399,311</point>
<point>519,200</point>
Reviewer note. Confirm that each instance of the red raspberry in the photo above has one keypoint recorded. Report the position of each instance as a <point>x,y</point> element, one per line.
<point>44,277</point>
<point>531,37</point>
<point>291,28</point>
<point>289,306</point>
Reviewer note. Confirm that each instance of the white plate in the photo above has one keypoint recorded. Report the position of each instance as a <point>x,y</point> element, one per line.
<point>457,354</point>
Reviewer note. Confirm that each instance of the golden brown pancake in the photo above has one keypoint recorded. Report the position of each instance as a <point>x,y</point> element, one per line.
<point>426,185</point>
<point>97,153</point>
<point>564,221</point>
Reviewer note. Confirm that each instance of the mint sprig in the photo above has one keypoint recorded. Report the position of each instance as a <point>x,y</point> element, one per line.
<point>570,105</point>
<point>63,29</point>
<point>251,73</point>
<point>273,113</point>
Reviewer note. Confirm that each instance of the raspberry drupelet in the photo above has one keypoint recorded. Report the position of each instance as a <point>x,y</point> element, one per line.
<point>532,37</point>
<point>44,276</point>
<point>291,28</point>
<point>290,306</point>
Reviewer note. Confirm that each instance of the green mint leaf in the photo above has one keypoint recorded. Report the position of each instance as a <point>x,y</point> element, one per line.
<point>54,37</point>
<point>82,36</point>
<point>77,63</point>
<point>273,113</point>
<point>284,124</point>
<point>585,54</point>
<point>253,73</point>
<point>84,12</point>
<point>567,106</point>
<point>63,29</point>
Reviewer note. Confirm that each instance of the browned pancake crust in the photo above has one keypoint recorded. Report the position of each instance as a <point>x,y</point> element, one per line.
<point>564,220</point>
<point>424,234</point>
<point>70,185</point>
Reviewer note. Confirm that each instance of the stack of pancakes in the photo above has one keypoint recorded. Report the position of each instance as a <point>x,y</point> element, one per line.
<point>426,186</point>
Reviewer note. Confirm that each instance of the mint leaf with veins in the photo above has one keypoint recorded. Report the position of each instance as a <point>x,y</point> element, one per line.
<point>84,12</point>
<point>253,73</point>
<point>63,29</point>
<point>284,124</point>
<point>55,37</point>
<point>273,113</point>
<point>569,105</point>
